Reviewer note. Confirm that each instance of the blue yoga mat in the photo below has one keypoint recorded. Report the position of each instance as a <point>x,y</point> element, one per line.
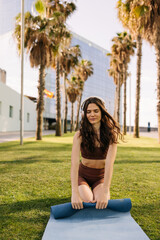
<point>113,223</point>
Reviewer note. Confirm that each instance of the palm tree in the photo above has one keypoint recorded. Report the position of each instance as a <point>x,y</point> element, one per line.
<point>115,72</point>
<point>116,67</point>
<point>126,48</point>
<point>127,15</point>
<point>57,6</point>
<point>130,45</point>
<point>62,37</point>
<point>68,60</point>
<point>83,70</point>
<point>61,10</point>
<point>39,48</point>
<point>72,92</point>
<point>148,14</point>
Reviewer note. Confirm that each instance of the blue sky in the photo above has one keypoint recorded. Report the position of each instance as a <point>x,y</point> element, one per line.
<point>97,21</point>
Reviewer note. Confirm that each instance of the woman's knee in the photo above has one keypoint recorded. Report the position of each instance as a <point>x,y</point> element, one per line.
<point>97,190</point>
<point>85,193</point>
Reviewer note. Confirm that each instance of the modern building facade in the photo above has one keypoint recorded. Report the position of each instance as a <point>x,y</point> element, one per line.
<point>99,84</point>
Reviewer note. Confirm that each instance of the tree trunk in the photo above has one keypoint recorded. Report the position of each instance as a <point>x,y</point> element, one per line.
<point>139,56</point>
<point>115,103</point>
<point>124,104</point>
<point>72,114</point>
<point>78,109</point>
<point>66,105</point>
<point>58,101</point>
<point>157,48</point>
<point>40,102</point>
<point>118,97</point>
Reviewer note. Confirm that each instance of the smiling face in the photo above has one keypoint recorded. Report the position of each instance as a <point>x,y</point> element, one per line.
<point>93,113</point>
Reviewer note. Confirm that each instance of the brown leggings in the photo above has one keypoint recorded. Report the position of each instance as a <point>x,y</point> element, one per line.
<point>90,176</point>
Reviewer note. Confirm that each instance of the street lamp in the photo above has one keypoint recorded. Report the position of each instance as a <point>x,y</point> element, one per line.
<point>22,68</point>
<point>129,102</point>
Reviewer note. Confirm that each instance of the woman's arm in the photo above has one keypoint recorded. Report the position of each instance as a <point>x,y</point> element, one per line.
<point>75,157</point>
<point>111,155</point>
<point>104,196</point>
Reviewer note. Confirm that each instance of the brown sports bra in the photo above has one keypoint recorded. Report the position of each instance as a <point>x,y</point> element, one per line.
<point>97,154</point>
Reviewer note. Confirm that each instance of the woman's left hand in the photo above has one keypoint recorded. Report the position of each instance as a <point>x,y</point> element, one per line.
<point>102,200</point>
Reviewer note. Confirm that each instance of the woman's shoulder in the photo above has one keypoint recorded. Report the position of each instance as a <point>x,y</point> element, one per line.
<point>77,136</point>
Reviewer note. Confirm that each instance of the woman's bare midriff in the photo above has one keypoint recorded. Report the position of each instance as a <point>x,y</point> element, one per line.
<point>93,163</point>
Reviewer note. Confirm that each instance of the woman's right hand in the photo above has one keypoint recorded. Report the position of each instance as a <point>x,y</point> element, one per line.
<point>76,201</point>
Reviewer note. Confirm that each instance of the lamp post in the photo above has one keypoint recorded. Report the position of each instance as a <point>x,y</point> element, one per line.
<point>130,103</point>
<point>22,68</point>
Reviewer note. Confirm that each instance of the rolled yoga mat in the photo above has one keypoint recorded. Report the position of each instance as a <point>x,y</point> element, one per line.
<point>112,223</point>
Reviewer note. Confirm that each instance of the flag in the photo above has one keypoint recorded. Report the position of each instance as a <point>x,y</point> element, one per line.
<point>49,94</point>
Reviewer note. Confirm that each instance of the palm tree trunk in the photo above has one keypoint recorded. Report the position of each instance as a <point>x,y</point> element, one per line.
<point>66,105</point>
<point>157,48</point>
<point>118,98</point>
<point>115,103</point>
<point>124,104</point>
<point>58,101</point>
<point>139,56</point>
<point>78,109</point>
<point>40,102</point>
<point>72,114</point>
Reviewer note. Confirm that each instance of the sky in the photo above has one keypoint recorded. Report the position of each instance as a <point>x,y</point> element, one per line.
<point>96,20</point>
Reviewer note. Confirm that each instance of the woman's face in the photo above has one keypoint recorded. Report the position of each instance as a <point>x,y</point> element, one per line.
<point>93,113</point>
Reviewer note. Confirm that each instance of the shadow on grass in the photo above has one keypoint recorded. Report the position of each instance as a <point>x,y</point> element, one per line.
<point>30,160</point>
<point>37,153</point>
<point>135,161</point>
<point>34,146</point>
<point>51,149</point>
<point>26,217</point>
<point>14,145</point>
<point>40,204</point>
<point>138,149</point>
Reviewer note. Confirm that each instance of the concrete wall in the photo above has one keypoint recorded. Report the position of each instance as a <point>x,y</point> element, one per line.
<point>9,97</point>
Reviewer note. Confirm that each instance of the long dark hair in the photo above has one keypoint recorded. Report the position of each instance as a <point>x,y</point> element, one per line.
<point>109,128</point>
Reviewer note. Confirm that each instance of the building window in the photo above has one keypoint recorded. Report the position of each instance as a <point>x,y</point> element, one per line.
<point>28,117</point>
<point>0,108</point>
<point>11,111</point>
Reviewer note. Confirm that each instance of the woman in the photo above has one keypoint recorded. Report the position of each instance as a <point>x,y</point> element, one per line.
<point>97,142</point>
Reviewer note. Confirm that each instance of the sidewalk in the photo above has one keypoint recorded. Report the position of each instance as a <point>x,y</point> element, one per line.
<point>153,134</point>
<point>12,136</point>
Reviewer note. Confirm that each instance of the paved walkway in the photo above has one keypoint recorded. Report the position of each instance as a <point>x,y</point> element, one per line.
<point>153,134</point>
<point>12,136</point>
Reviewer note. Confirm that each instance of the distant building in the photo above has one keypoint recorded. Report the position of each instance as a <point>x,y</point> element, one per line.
<point>10,111</point>
<point>99,84</point>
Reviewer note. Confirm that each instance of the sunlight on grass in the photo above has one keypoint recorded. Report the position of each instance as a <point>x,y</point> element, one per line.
<point>140,142</point>
<point>36,176</point>
<point>55,139</point>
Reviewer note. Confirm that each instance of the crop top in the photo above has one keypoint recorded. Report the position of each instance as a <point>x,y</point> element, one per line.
<point>97,154</point>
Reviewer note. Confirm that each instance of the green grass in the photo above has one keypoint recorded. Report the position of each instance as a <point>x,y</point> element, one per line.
<point>36,176</point>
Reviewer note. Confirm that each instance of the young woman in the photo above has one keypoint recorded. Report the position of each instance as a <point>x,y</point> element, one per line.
<point>97,142</point>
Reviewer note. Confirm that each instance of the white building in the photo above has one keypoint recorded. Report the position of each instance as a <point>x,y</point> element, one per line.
<point>10,110</point>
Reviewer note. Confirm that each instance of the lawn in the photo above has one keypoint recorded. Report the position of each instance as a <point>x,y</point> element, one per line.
<point>36,176</point>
